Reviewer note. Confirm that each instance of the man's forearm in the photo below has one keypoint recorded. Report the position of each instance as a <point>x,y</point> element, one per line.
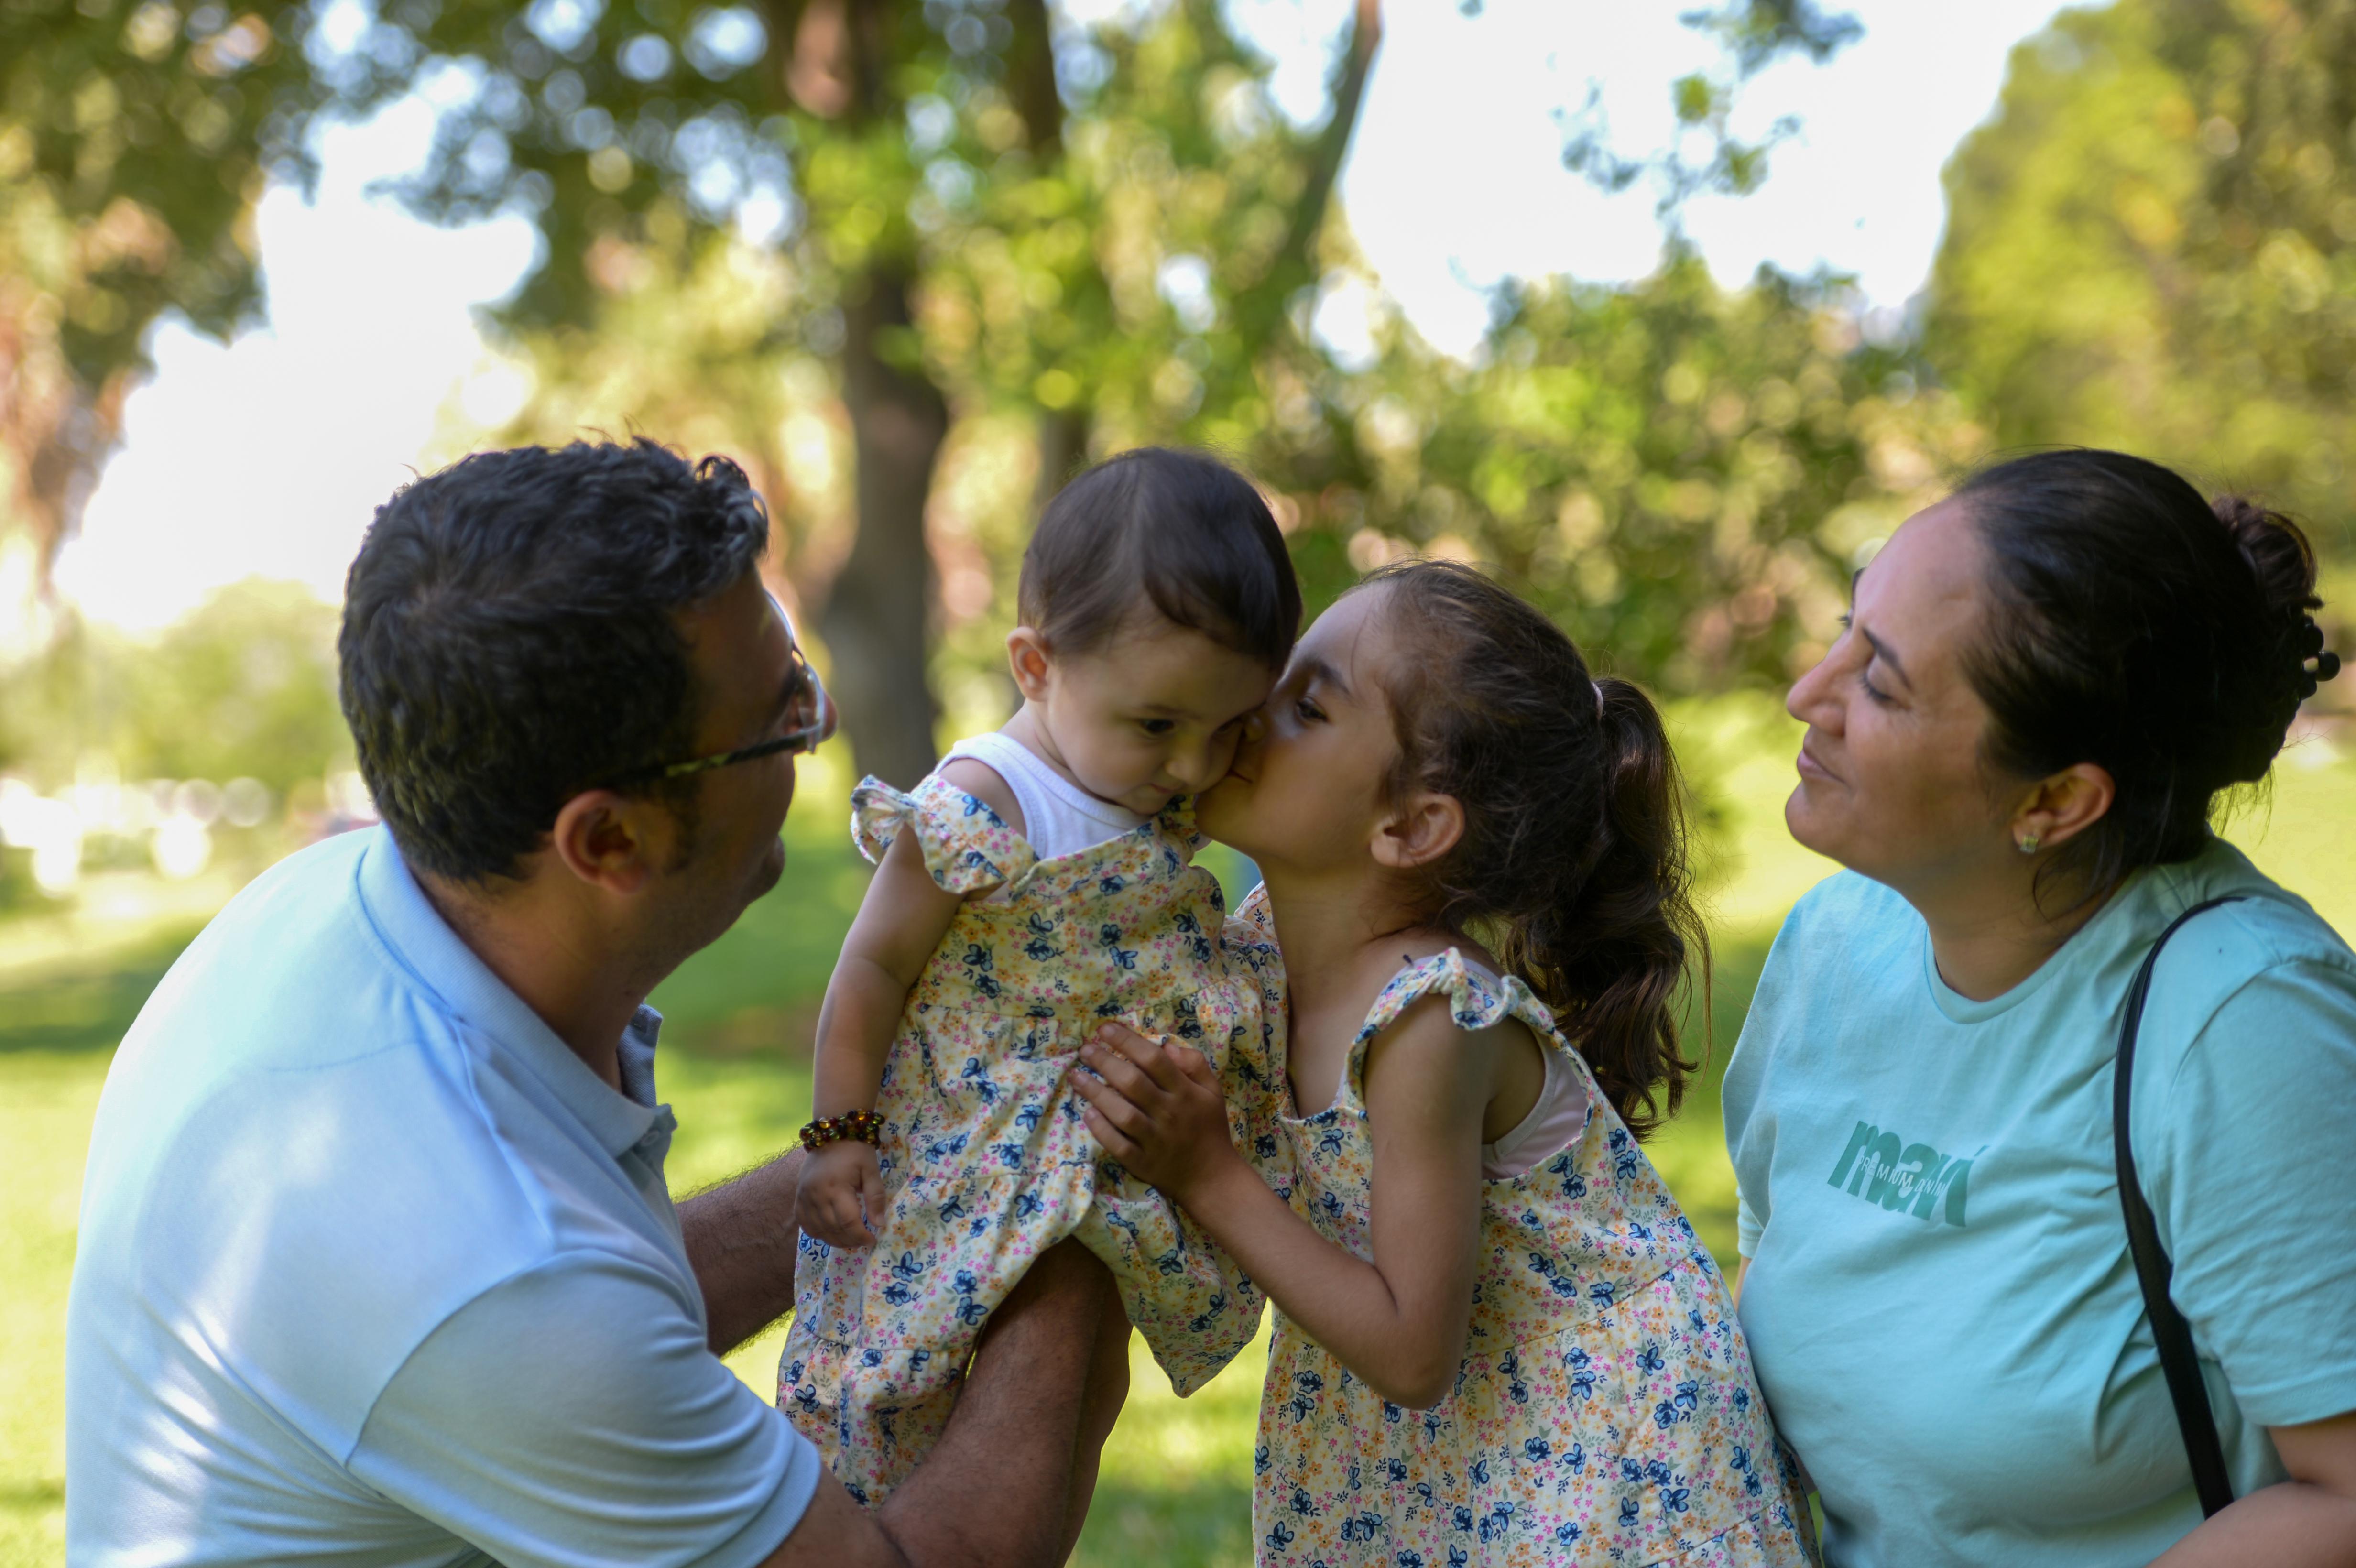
<point>740,1240</point>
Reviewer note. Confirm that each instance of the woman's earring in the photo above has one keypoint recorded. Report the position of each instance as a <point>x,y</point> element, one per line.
<point>2028,842</point>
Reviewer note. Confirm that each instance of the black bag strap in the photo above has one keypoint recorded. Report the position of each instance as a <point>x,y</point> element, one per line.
<point>2153,1269</point>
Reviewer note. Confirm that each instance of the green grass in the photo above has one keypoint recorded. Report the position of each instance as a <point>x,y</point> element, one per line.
<point>1176,1480</point>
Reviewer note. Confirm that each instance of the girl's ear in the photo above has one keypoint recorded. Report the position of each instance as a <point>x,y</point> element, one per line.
<point>1428,826</point>
<point>1026,656</point>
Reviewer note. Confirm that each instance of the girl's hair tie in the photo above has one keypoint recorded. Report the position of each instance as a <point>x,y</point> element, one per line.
<point>2308,643</point>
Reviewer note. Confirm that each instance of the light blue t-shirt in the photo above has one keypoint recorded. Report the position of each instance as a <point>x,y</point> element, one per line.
<point>1941,1304</point>
<point>373,1270</point>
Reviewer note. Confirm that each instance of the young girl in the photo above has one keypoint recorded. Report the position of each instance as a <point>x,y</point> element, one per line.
<point>1498,1341</point>
<point>1039,881</point>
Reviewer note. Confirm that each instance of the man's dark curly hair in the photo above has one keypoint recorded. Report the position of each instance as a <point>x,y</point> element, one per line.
<point>509,638</point>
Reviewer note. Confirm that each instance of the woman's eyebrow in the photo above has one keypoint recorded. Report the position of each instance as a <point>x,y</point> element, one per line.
<point>1882,651</point>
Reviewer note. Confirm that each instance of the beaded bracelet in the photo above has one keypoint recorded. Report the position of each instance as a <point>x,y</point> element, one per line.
<point>865,1127</point>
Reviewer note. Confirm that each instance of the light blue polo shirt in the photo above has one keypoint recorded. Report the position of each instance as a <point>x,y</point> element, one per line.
<point>1941,1305</point>
<point>373,1269</point>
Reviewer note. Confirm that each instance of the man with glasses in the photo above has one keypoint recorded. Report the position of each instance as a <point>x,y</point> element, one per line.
<point>377,1261</point>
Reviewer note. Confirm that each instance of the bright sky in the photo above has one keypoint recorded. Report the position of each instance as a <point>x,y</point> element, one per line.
<point>268,456</point>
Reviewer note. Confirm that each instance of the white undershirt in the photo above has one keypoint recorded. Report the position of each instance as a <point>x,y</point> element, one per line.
<point>1059,818</point>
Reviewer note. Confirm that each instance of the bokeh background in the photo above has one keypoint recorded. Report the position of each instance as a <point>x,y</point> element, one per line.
<point>1668,316</point>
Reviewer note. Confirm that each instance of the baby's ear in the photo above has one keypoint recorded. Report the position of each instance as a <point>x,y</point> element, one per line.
<point>1028,659</point>
<point>1420,831</point>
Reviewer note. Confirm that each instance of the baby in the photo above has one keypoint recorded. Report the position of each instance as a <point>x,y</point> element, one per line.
<point>1040,880</point>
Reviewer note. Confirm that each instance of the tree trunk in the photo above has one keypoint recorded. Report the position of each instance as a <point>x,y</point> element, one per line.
<point>1062,448</point>
<point>878,614</point>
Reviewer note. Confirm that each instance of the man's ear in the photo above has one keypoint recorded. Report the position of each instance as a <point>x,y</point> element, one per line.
<point>1419,832</point>
<point>1027,656</point>
<point>2064,805</point>
<point>615,842</point>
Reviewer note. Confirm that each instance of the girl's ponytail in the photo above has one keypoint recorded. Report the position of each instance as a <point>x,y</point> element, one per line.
<point>1573,866</point>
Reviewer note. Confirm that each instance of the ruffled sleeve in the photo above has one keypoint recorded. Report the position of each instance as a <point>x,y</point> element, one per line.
<point>968,847</point>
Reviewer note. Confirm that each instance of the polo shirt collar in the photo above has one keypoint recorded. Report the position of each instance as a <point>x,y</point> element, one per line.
<point>444,967</point>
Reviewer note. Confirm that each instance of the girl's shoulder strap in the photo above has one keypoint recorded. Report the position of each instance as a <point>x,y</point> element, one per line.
<point>1478,999</point>
<point>967,846</point>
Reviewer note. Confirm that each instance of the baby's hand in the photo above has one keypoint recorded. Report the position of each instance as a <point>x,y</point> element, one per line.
<point>840,1200</point>
<point>1156,1106</point>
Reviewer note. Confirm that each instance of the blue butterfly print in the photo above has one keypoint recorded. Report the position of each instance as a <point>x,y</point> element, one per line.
<point>907,1267</point>
<point>1027,1118</point>
<point>1410,1560</point>
<point>1361,1527</point>
<point>1394,1470</point>
<point>1583,1383</point>
<point>1566,1534</point>
<point>1303,1505</point>
<point>1536,1450</point>
<point>1280,1536</point>
<point>1500,1518</point>
<point>1009,1155</point>
<point>977,1076</point>
<point>1675,1499</point>
<point>871,1356</point>
<point>1027,1206</point>
<point>1627,1512</point>
<point>1689,1398</point>
<point>1631,1471</point>
<point>1576,1457</point>
<point>1333,1140</point>
<point>1742,1399</point>
<point>1108,937</point>
<point>1391,1413</point>
<point>1602,1293</point>
<point>1461,1518</point>
<point>1264,1147</point>
<point>1480,1472</point>
<point>1574,1186</point>
<point>1259,1460</point>
<point>1456,1556</point>
<point>1331,1204</point>
<point>1650,1357</point>
<point>1658,1472</point>
<point>946,1148</point>
<point>1110,884</point>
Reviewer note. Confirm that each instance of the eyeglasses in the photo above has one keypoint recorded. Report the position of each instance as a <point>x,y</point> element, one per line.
<point>810,712</point>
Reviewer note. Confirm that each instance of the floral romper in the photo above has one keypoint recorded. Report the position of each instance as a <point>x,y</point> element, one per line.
<point>1606,1411</point>
<point>986,1161</point>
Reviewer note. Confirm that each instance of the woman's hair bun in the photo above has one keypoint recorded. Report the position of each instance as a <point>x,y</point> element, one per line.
<point>2284,564</point>
<point>2138,626</point>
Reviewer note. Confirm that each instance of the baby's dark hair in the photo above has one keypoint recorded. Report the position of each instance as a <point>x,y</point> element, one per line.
<point>1573,866</point>
<point>1175,532</point>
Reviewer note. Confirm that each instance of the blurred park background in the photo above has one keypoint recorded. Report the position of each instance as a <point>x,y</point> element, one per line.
<point>1669,316</point>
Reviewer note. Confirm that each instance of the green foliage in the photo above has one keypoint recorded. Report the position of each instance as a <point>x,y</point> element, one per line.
<point>1685,476</point>
<point>2148,247</point>
<point>244,687</point>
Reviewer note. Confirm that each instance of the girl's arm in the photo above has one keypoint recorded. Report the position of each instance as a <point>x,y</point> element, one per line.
<point>1400,1322</point>
<point>900,922</point>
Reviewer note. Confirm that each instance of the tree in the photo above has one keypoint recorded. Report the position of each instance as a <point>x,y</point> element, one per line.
<point>872,145</point>
<point>2149,246</point>
<point>132,144</point>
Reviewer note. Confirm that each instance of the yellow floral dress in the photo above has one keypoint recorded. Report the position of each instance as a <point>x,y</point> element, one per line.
<point>986,1161</point>
<point>1605,1412</point>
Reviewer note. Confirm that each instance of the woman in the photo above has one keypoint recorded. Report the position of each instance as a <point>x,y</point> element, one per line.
<point>2015,749</point>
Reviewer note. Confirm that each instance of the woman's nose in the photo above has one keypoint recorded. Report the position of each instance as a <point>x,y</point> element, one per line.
<point>1808,700</point>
